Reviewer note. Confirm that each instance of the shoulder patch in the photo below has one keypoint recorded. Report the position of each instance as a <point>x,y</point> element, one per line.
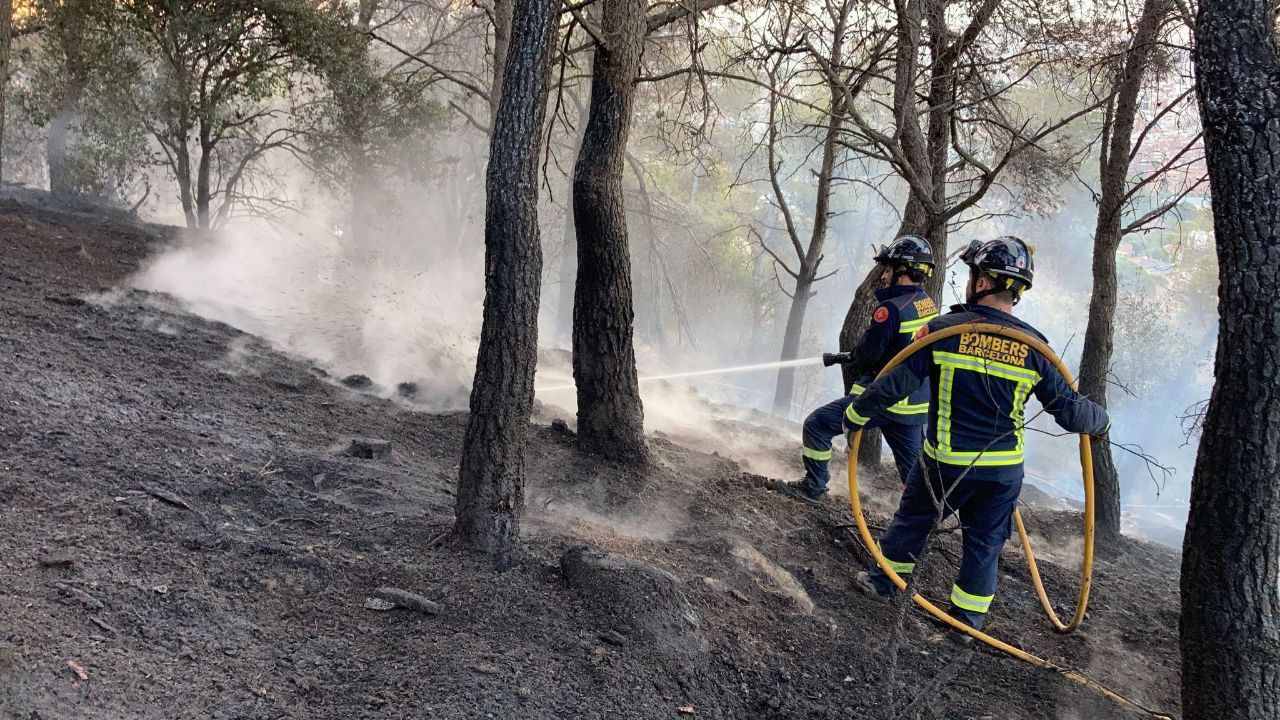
<point>881,314</point>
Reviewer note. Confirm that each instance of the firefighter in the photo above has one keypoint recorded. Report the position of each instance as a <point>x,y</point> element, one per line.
<point>903,309</point>
<point>973,448</point>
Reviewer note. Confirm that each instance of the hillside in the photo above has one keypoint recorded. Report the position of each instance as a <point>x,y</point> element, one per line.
<point>188,534</point>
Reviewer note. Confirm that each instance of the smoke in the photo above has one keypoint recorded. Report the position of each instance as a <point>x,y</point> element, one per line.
<point>692,415</point>
<point>1120,663</point>
<point>386,309</point>
<point>1068,553</point>
<point>549,513</point>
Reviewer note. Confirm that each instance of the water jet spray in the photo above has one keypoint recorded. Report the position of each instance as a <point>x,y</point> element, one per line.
<point>712,371</point>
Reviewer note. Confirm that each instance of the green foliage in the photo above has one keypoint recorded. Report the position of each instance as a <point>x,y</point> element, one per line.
<point>80,76</point>
<point>207,89</point>
<point>362,122</point>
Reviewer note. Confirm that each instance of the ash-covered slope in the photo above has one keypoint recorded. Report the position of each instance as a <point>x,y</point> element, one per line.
<point>188,533</point>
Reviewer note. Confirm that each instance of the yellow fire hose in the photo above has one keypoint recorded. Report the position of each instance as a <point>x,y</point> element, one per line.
<point>1086,568</point>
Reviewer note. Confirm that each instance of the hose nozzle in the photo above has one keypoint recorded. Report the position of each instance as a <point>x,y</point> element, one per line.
<point>829,359</point>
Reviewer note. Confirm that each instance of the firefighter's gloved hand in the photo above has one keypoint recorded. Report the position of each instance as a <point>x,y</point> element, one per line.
<point>849,431</point>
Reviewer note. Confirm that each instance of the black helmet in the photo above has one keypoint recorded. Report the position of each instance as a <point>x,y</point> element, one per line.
<point>912,251</point>
<point>1006,256</point>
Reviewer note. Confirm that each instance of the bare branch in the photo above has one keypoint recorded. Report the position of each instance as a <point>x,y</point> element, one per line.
<point>1159,211</point>
<point>682,10</point>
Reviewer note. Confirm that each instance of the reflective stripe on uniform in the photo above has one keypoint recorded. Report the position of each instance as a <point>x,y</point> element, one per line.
<point>969,601</point>
<point>990,458</point>
<point>905,408</point>
<point>910,327</point>
<point>815,454</point>
<point>902,568</point>
<point>949,363</point>
<point>902,407</point>
<point>853,416</point>
<point>987,367</point>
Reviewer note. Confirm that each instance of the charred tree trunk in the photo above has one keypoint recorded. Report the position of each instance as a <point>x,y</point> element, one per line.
<point>926,150</point>
<point>1230,636</point>
<point>855,324</point>
<point>610,414</point>
<point>859,317</point>
<point>491,476</point>
<point>502,10</point>
<point>1113,165</point>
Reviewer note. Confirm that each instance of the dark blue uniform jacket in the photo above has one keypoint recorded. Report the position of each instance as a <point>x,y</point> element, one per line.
<point>982,382</point>
<point>902,312</point>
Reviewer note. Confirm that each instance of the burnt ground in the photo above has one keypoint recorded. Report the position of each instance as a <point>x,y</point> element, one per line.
<point>179,523</point>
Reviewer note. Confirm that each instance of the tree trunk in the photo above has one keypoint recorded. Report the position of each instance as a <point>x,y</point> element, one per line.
<point>502,10</point>
<point>927,152</point>
<point>1095,360</point>
<point>610,415</point>
<point>202,175</point>
<point>941,115</point>
<point>491,476</point>
<point>855,324</point>
<point>1230,636</point>
<point>58,141</point>
<point>182,170</point>
<point>355,97</point>
<point>859,317</point>
<point>6,38</point>
<point>785,391</point>
<point>808,271</point>
<point>70,19</point>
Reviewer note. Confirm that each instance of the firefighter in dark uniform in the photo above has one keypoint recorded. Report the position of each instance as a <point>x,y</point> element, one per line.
<point>903,310</point>
<point>973,449</point>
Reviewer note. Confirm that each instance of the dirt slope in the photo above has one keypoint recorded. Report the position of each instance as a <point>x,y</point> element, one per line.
<point>179,521</point>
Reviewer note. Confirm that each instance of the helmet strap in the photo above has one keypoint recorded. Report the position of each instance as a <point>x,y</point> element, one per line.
<point>1010,285</point>
<point>903,269</point>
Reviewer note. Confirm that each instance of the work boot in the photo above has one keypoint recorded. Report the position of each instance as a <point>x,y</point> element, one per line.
<point>955,636</point>
<point>800,490</point>
<point>868,588</point>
